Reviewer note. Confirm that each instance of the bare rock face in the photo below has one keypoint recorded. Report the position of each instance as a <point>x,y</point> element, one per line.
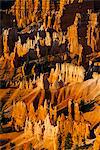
<point>94,117</point>
<point>48,101</point>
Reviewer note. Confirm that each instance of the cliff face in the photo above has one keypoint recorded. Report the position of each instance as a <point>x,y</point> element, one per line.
<point>52,85</point>
<point>68,18</point>
<point>71,10</point>
<point>6,21</point>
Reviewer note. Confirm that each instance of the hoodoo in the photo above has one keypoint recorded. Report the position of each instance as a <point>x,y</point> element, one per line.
<point>49,75</point>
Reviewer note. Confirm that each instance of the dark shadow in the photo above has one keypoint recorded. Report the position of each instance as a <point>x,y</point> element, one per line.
<point>6,4</point>
<point>92,135</point>
<point>86,107</point>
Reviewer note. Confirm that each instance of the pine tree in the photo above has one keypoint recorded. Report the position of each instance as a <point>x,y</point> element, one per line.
<point>68,142</point>
<point>59,142</point>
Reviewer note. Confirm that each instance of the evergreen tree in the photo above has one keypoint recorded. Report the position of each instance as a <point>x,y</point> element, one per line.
<point>59,142</point>
<point>68,142</point>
